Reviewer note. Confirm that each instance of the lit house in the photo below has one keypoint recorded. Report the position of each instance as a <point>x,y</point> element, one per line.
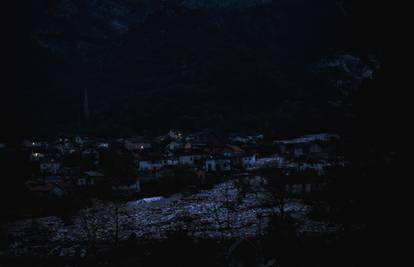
<point>134,144</point>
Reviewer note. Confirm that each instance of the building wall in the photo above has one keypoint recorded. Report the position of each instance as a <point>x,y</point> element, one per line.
<point>50,167</point>
<point>146,165</point>
<point>213,165</point>
<point>249,162</point>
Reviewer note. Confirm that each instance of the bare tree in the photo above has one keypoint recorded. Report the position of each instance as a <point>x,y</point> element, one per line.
<point>276,186</point>
<point>103,222</point>
<point>223,210</point>
<point>89,225</point>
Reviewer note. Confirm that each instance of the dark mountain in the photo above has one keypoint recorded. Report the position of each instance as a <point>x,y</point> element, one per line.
<point>250,64</point>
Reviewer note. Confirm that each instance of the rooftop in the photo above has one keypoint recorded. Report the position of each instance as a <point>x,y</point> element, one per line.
<point>324,137</point>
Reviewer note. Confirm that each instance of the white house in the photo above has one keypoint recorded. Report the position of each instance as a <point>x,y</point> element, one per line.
<point>248,161</point>
<point>50,166</point>
<point>189,160</point>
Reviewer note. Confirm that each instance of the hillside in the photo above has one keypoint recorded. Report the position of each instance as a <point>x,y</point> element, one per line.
<point>190,64</point>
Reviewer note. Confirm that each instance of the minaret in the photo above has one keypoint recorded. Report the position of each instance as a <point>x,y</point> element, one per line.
<point>86,105</point>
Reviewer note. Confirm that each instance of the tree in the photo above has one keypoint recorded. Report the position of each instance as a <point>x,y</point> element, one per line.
<point>276,186</point>
<point>105,222</point>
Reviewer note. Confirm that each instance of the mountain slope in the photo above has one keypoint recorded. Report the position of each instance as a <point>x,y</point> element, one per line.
<point>155,64</point>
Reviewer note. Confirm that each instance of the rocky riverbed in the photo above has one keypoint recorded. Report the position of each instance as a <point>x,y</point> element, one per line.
<point>223,212</point>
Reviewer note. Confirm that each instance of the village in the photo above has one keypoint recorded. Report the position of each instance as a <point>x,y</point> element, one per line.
<point>130,167</point>
<point>140,188</point>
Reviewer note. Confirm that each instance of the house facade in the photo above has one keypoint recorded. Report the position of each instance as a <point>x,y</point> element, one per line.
<point>50,167</point>
<point>89,178</point>
<point>315,146</point>
<point>190,160</point>
<point>216,164</point>
<point>136,144</point>
<point>132,187</point>
<point>248,161</point>
<point>156,164</point>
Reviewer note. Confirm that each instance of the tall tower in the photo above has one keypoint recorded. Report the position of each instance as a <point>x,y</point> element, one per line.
<point>86,105</point>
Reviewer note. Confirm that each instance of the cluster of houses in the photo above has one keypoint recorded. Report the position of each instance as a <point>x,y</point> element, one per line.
<point>74,163</point>
<point>304,160</point>
<point>203,153</point>
<point>59,167</point>
<point>309,146</point>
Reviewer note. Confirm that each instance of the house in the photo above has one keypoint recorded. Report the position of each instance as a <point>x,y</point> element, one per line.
<point>50,166</point>
<point>36,156</point>
<point>138,143</point>
<point>315,146</point>
<point>239,157</point>
<point>42,189</point>
<point>90,178</point>
<point>188,146</point>
<point>232,151</point>
<point>194,146</point>
<point>303,183</point>
<point>127,188</point>
<point>304,189</point>
<point>190,159</point>
<point>81,140</point>
<point>173,146</point>
<point>145,165</point>
<point>308,148</point>
<point>217,164</point>
<point>248,161</point>
<point>102,145</point>
<point>156,164</point>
